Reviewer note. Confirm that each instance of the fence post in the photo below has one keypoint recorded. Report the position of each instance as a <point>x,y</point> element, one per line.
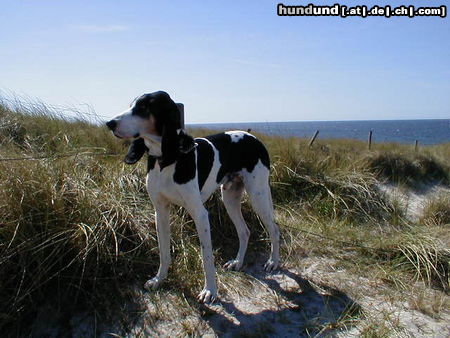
<point>416,146</point>
<point>313,138</point>
<point>369,141</point>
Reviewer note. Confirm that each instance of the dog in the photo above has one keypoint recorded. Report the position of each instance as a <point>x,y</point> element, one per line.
<point>186,171</point>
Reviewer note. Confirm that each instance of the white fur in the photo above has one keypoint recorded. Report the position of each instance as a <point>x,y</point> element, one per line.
<point>210,184</point>
<point>128,125</point>
<point>153,144</point>
<point>237,135</point>
<point>163,191</point>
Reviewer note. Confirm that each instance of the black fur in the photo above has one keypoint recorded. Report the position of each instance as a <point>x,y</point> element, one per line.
<point>138,148</point>
<point>186,142</point>
<point>135,151</point>
<point>205,161</point>
<point>161,106</point>
<point>177,148</point>
<point>150,163</point>
<point>184,168</point>
<point>234,156</point>
<point>167,120</point>
<point>169,146</point>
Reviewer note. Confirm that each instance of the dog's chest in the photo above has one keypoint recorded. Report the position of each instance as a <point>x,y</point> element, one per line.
<point>161,184</point>
<point>191,176</point>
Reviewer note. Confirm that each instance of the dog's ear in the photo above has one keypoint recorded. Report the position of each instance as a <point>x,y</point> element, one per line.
<point>170,122</point>
<point>169,145</point>
<point>136,150</point>
<point>174,140</point>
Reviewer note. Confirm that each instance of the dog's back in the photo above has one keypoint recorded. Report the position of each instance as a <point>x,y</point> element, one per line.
<point>238,150</point>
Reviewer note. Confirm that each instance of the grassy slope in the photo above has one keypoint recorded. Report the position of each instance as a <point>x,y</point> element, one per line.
<point>75,230</point>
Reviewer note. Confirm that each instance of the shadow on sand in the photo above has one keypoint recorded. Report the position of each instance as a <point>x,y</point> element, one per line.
<point>313,310</point>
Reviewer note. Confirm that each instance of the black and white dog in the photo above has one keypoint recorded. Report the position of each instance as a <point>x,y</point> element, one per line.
<point>186,171</point>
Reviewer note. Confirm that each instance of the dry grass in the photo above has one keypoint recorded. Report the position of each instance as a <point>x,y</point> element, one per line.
<point>437,211</point>
<point>77,230</point>
<point>408,168</point>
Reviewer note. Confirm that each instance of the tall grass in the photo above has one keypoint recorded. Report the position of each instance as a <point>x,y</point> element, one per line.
<point>437,211</point>
<point>408,168</point>
<point>80,229</point>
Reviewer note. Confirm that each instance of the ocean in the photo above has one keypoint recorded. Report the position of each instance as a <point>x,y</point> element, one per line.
<point>427,132</point>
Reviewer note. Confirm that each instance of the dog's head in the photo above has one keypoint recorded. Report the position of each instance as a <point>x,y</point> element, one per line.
<point>156,118</point>
<point>149,114</point>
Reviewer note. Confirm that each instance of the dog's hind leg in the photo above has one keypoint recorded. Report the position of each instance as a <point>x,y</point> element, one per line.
<point>231,196</point>
<point>258,189</point>
<point>162,211</point>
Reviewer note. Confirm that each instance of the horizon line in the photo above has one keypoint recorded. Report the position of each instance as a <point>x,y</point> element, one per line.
<point>345,120</point>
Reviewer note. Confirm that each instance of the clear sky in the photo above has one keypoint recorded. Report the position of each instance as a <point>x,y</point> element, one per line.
<point>227,61</point>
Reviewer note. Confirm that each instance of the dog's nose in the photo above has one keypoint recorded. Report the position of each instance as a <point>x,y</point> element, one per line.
<point>111,124</point>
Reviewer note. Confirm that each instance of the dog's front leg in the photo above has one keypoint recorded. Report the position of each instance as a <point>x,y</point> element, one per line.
<point>200,216</point>
<point>162,210</point>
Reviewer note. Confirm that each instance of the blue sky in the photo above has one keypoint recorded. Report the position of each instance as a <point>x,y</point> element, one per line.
<point>227,61</point>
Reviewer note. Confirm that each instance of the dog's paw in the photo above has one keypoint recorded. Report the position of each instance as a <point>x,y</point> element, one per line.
<point>153,283</point>
<point>207,296</point>
<point>271,265</point>
<point>234,264</point>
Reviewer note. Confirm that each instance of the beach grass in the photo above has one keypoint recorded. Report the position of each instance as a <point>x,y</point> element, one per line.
<point>78,231</point>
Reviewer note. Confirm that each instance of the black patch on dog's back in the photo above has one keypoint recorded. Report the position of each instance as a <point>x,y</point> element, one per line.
<point>205,160</point>
<point>235,156</point>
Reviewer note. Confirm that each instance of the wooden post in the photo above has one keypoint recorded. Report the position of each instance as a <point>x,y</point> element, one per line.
<point>181,109</point>
<point>416,146</point>
<point>313,138</point>
<point>369,141</point>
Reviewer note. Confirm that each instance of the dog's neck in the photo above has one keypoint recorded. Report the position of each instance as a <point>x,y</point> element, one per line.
<point>153,144</point>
